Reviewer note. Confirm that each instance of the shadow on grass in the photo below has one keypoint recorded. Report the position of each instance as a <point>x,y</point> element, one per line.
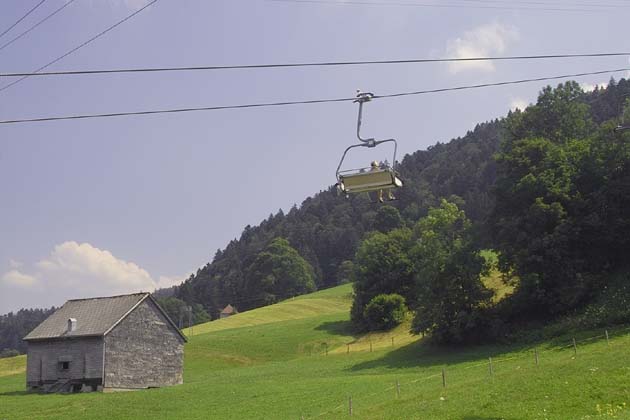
<point>16,393</point>
<point>336,327</point>
<point>423,353</point>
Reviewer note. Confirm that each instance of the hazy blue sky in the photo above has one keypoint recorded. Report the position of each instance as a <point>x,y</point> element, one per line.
<point>97,207</point>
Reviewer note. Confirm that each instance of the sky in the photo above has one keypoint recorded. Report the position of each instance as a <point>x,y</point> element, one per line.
<point>110,206</point>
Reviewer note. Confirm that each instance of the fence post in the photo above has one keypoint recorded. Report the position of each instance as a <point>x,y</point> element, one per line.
<point>347,348</point>
<point>370,346</point>
<point>490,366</point>
<point>350,404</point>
<point>397,389</point>
<point>326,349</point>
<point>607,340</point>
<point>536,356</point>
<point>574,348</point>
<point>443,378</point>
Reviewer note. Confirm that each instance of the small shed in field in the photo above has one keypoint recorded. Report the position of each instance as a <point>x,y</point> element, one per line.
<point>107,343</point>
<point>227,311</point>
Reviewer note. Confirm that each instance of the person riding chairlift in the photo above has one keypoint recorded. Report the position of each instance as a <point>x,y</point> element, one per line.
<point>376,166</point>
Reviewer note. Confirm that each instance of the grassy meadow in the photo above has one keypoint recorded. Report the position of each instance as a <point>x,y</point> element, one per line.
<point>292,361</point>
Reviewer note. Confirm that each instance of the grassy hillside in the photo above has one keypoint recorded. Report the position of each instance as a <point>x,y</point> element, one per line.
<point>272,363</point>
<point>324,302</point>
<point>12,365</point>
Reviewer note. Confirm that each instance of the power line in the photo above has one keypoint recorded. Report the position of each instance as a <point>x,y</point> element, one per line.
<point>22,18</point>
<point>313,64</point>
<point>94,38</point>
<point>37,24</point>
<point>433,5</point>
<point>546,3</point>
<point>305,102</point>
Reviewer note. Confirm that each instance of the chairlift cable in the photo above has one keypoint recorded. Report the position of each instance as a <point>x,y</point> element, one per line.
<point>483,85</point>
<point>314,64</point>
<point>306,102</point>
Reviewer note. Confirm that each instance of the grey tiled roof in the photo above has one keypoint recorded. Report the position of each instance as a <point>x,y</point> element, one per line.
<point>94,316</point>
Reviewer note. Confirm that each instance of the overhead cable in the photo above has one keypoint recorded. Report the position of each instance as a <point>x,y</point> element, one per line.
<point>94,38</point>
<point>59,9</point>
<point>547,3</point>
<point>313,64</point>
<point>434,5</point>
<point>22,18</point>
<point>305,102</point>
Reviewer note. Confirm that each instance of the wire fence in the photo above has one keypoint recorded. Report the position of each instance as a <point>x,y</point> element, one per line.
<point>442,374</point>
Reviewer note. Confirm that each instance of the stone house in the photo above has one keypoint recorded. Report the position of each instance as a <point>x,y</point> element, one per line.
<point>107,343</point>
<point>227,311</point>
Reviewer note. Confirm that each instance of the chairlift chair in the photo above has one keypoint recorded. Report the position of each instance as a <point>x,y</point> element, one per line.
<point>367,179</point>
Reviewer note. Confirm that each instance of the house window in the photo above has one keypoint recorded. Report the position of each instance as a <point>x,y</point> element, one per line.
<point>65,365</point>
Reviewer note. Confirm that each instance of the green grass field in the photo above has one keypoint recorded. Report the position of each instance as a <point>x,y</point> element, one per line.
<point>272,363</point>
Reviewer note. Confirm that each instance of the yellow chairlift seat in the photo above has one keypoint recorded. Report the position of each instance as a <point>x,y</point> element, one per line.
<point>368,180</point>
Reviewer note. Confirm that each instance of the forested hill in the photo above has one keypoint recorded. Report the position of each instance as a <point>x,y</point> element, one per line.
<point>326,229</point>
<point>14,326</point>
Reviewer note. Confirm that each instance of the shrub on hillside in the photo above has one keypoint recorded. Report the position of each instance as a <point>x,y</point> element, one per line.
<point>384,312</point>
<point>277,273</point>
<point>381,266</point>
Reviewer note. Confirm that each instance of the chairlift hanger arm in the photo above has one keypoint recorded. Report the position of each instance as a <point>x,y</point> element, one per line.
<point>344,156</point>
<point>362,97</point>
<point>372,143</point>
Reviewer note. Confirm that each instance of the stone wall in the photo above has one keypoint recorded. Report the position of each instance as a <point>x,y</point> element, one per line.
<point>143,351</point>
<point>84,357</point>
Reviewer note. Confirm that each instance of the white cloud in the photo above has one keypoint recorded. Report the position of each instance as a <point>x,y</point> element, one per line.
<point>74,270</point>
<point>88,269</point>
<point>518,104</point>
<point>15,278</point>
<point>588,87</point>
<point>14,263</point>
<point>482,41</point>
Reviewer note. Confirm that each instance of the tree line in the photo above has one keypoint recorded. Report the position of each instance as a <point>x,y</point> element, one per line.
<point>15,325</point>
